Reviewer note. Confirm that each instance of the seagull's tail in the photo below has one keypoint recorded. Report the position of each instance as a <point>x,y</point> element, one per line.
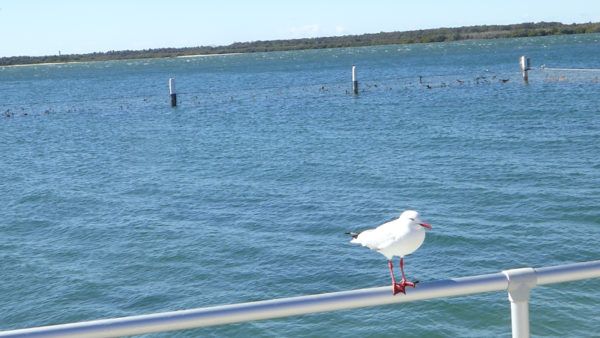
<point>353,234</point>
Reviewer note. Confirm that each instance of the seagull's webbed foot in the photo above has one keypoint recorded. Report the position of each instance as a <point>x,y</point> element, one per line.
<point>407,283</point>
<point>401,287</point>
<point>398,287</point>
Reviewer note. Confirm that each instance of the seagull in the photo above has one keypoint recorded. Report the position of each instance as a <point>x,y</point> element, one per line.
<point>399,237</point>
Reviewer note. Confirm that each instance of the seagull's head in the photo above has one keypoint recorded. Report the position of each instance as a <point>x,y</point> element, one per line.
<point>415,220</point>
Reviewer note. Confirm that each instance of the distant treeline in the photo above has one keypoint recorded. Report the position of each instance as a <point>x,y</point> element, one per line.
<point>417,36</point>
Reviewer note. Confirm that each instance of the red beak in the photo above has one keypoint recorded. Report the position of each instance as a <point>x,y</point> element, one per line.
<point>426,225</point>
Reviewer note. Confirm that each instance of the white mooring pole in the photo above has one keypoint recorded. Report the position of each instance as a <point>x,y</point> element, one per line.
<point>354,81</point>
<point>172,92</point>
<point>525,64</point>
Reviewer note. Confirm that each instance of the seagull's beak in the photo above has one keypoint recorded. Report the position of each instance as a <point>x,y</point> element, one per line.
<point>426,225</point>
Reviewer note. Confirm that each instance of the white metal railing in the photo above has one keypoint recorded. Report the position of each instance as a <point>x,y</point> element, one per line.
<point>517,282</point>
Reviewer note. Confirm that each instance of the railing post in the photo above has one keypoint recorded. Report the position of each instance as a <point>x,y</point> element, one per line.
<point>520,281</point>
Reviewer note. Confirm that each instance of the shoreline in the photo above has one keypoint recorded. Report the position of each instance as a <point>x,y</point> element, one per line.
<point>116,60</point>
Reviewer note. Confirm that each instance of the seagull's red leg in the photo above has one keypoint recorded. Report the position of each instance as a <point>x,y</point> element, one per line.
<point>392,271</point>
<point>404,282</point>
<point>397,287</point>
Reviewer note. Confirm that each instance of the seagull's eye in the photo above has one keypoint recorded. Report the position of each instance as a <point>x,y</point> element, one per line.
<point>412,219</point>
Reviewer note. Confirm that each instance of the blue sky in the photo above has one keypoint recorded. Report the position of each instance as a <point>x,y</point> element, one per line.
<point>30,27</point>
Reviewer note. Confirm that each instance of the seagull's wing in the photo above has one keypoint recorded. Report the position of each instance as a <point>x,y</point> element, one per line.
<point>374,239</point>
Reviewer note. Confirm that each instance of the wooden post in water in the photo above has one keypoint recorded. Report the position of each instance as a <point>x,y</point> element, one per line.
<point>172,92</point>
<point>525,64</point>
<point>354,81</point>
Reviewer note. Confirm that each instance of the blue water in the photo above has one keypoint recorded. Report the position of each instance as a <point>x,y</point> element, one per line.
<point>115,204</point>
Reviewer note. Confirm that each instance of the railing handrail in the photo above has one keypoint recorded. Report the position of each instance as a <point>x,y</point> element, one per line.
<point>514,280</point>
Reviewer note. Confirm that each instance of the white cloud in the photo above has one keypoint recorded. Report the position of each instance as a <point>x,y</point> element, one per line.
<point>314,30</point>
<point>307,31</point>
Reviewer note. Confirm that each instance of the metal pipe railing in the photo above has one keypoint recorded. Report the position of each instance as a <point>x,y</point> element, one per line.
<point>517,282</point>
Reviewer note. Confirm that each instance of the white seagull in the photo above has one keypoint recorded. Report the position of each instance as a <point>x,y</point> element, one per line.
<point>398,237</point>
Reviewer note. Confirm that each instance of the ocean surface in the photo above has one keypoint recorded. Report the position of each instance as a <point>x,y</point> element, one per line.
<point>113,203</point>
